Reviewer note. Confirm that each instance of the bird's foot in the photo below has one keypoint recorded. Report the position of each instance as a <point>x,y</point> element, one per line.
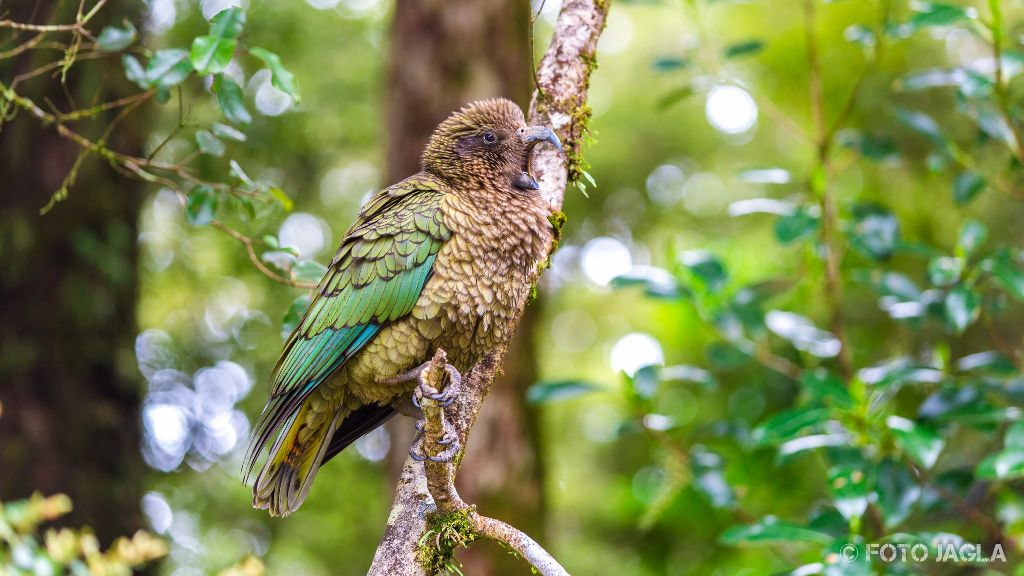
<point>449,441</point>
<point>444,398</point>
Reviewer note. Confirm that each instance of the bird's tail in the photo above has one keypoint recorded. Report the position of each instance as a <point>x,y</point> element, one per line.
<point>285,479</point>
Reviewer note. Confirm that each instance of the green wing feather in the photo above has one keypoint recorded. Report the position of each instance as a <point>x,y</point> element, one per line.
<point>376,277</point>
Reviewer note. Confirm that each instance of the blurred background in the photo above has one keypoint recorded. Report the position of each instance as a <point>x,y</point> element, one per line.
<point>787,316</point>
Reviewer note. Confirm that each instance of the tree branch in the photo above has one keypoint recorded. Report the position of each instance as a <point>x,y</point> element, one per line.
<point>559,101</point>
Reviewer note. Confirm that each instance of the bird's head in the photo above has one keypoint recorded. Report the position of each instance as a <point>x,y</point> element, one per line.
<point>487,141</point>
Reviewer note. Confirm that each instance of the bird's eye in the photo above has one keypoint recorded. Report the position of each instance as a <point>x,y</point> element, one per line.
<point>490,138</point>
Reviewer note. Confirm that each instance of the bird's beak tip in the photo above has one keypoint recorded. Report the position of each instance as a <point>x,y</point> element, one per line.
<point>535,134</point>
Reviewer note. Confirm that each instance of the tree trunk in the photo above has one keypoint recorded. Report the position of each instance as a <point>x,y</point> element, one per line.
<point>443,57</point>
<point>68,384</point>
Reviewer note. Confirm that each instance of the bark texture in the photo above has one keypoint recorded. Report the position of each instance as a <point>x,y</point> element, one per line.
<point>68,384</point>
<point>442,58</point>
<point>559,102</point>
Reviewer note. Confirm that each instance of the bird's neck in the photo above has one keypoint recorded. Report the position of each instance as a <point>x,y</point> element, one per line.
<point>512,223</point>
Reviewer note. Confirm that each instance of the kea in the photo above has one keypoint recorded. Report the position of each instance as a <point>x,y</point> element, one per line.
<point>441,259</point>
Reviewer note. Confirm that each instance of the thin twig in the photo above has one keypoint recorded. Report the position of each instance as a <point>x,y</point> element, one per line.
<point>819,184</point>
<point>1017,146</point>
<point>140,168</point>
<point>27,45</point>
<point>247,242</point>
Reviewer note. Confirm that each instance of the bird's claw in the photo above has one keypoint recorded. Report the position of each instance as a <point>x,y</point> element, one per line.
<point>447,455</point>
<point>445,397</point>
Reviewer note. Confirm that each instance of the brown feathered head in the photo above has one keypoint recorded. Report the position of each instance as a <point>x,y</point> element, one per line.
<point>487,142</point>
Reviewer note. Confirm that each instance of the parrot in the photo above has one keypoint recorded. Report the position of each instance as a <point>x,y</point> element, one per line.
<point>443,259</point>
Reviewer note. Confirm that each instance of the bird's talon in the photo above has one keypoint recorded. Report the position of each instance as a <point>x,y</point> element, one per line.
<point>446,440</point>
<point>415,456</point>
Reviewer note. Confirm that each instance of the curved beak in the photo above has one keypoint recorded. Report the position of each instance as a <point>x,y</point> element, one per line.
<point>535,134</point>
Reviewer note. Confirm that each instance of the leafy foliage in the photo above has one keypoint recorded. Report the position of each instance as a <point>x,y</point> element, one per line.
<point>25,548</point>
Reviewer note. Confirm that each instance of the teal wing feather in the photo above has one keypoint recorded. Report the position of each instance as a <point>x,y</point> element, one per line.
<point>377,275</point>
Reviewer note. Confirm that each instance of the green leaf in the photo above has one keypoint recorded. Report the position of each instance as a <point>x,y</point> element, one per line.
<point>308,270</point>
<point>897,492</point>
<point>201,206</point>
<point>923,124</point>
<point>667,63</point>
<point>272,242</point>
<point>657,283</point>
<point>972,236</point>
<point>229,132</point>
<point>826,386</point>
<point>876,231</point>
<point>889,283</point>
<point>211,55</point>
<point>645,381</point>
<point>990,362</point>
<point>687,373</point>
<point>799,224</point>
<point>922,444</point>
<point>293,316</point>
<point>706,468</point>
<point>1014,436</point>
<point>961,308</point>
<point>228,23</point>
<point>281,197</point>
<point>945,270</point>
<point>134,71</point>
<point>673,97</point>
<point>849,487</point>
<point>966,186</point>
<point>871,146</point>
<point>938,14</point>
<point>168,68</point>
<point>237,172</point>
<point>770,530</point>
<point>788,424</point>
<point>209,144</point>
<point>248,209</point>
<point>1005,465</point>
<point>726,355</point>
<point>114,38</point>
<point>801,332</point>
<point>743,48</point>
<point>545,392</point>
<point>707,268</point>
<point>280,77</point>
<point>1009,275</point>
<point>232,103</point>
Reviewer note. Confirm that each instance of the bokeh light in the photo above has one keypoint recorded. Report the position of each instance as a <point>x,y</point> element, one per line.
<point>730,109</point>
<point>634,351</point>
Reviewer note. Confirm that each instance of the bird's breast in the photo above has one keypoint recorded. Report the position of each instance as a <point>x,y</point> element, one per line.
<point>482,275</point>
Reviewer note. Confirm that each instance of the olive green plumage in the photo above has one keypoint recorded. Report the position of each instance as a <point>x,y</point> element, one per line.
<point>437,260</point>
